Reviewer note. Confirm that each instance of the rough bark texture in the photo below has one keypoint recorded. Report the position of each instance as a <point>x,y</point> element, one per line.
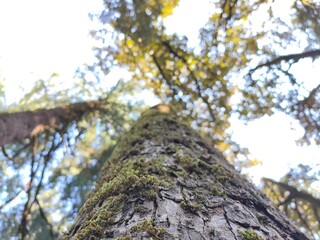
<point>165,182</point>
<point>20,125</point>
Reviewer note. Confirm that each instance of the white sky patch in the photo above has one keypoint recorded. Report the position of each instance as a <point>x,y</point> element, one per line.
<point>308,72</point>
<point>188,18</point>
<point>40,37</point>
<point>272,139</point>
<point>281,9</point>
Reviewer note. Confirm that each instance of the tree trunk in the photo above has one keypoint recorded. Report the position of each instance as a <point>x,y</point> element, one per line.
<point>20,125</point>
<point>166,182</point>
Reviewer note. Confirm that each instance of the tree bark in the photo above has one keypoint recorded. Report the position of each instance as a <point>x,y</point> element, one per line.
<point>164,181</point>
<point>20,125</point>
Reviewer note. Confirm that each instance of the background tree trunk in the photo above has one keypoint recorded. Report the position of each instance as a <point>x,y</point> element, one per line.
<point>165,182</point>
<point>20,125</point>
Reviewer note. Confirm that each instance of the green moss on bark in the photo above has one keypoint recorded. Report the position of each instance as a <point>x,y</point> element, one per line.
<point>139,176</point>
<point>191,206</point>
<point>250,235</point>
<point>148,226</point>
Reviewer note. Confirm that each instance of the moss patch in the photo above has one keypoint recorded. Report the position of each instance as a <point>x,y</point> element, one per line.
<point>190,206</point>
<point>148,226</point>
<point>250,235</point>
<point>139,177</point>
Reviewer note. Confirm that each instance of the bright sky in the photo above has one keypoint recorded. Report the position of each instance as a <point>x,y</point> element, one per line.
<point>39,37</point>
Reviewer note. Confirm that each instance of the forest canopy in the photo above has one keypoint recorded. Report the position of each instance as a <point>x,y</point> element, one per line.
<point>247,63</point>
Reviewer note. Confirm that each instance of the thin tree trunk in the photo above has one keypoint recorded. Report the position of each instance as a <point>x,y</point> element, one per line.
<point>20,125</point>
<point>165,182</point>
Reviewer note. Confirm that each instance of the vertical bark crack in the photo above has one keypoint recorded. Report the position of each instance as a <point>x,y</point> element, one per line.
<point>228,222</point>
<point>155,208</point>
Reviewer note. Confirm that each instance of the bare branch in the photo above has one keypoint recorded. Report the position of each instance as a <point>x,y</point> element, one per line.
<point>43,215</point>
<point>192,74</point>
<point>303,219</point>
<point>11,198</point>
<point>23,228</point>
<point>289,58</point>
<point>295,194</point>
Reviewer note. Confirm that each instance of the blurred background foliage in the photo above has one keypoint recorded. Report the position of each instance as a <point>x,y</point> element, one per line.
<point>245,65</point>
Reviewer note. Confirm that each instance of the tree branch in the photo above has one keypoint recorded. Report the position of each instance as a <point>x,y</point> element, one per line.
<point>196,81</point>
<point>23,230</point>
<point>43,215</point>
<point>303,219</point>
<point>12,198</point>
<point>295,194</point>
<point>20,125</point>
<point>291,57</point>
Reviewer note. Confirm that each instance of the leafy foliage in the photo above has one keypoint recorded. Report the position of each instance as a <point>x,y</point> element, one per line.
<point>297,195</point>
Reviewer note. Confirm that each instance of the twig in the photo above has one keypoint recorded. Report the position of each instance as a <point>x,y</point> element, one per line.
<point>291,57</point>
<point>24,221</point>
<point>295,193</point>
<point>43,215</point>
<point>204,99</point>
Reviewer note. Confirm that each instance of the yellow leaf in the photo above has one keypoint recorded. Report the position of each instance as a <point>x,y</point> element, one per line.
<point>130,42</point>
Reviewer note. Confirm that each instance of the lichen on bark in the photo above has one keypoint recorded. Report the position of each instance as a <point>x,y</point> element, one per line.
<point>164,181</point>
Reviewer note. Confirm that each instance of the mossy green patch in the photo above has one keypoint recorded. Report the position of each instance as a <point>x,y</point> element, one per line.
<point>250,235</point>
<point>103,215</point>
<point>222,174</point>
<point>190,206</point>
<point>148,226</point>
<point>127,237</point>
<point>142,131</point>
<point>217,189</point>
<point>205,166</point>
<point>140,177</point>
<point>186,162</point>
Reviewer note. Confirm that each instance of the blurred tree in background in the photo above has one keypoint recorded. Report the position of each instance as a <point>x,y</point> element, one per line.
<point>245,65</point>
<point>298,197</point>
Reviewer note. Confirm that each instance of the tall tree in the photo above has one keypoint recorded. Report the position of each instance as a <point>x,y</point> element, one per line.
<point>202,82</point>
<point>164,181</point>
